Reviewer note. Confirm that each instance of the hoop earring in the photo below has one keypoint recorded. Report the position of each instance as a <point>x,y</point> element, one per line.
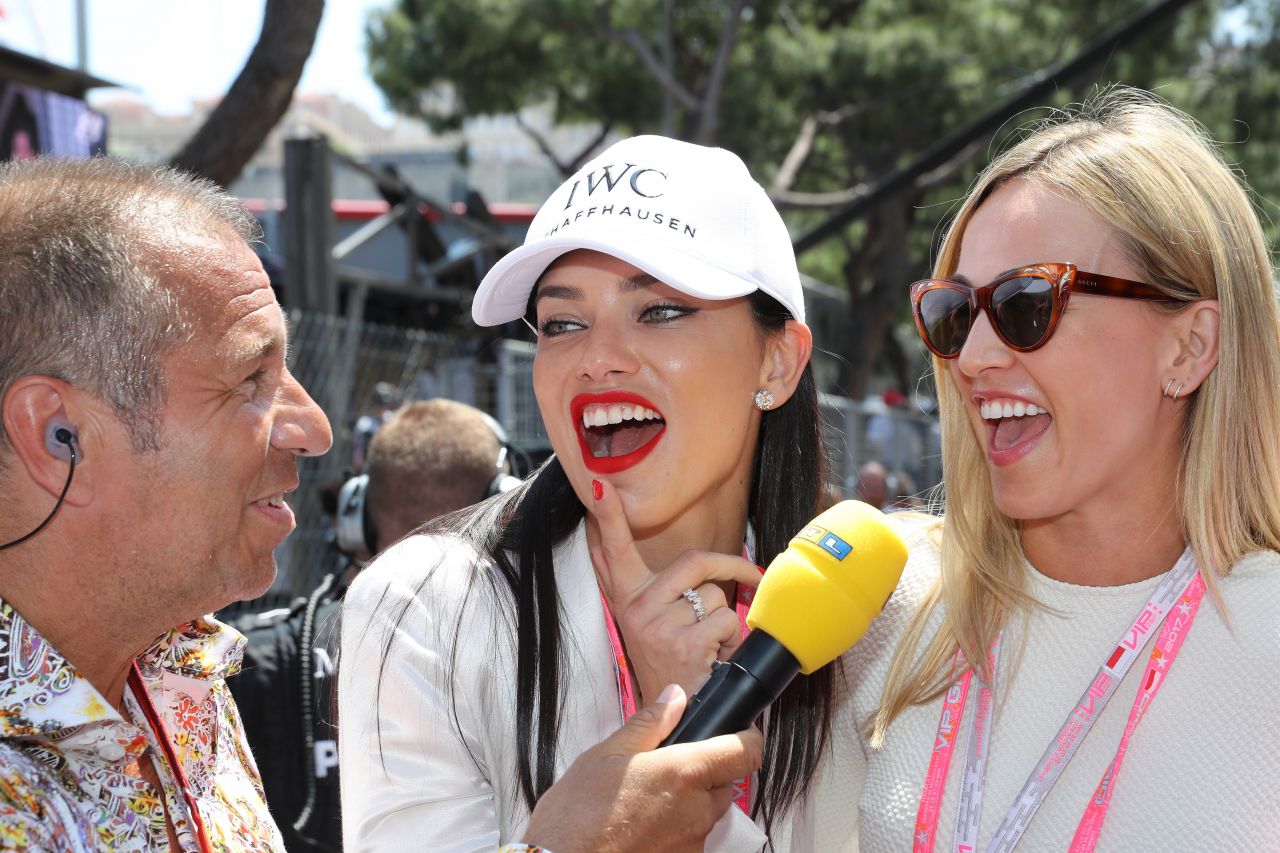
<point>763,399</point>
<point>1167,386</point>
<point>1176,392</point>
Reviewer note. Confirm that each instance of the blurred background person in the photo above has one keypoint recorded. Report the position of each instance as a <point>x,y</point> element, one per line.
<point>386,398</point>
<point>873,484</point>
<point>429,459</point>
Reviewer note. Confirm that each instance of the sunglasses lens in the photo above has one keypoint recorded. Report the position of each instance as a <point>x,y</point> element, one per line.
<point>947,318</point>
<point>1023,309</point>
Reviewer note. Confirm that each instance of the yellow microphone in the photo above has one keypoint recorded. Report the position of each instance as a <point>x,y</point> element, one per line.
<point>815,601</point>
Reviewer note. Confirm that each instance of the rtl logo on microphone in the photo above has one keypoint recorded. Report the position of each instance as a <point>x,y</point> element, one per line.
<point>826,540</point>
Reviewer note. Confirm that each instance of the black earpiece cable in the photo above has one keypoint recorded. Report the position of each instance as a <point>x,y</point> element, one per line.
<point>62,435</point>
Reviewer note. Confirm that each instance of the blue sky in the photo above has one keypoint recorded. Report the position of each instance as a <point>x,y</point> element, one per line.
<point>168,52</point>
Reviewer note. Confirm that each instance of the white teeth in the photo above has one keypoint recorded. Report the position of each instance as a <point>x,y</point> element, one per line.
<point>598,416</point>
<point>994,411</point>
<point>276,501</point>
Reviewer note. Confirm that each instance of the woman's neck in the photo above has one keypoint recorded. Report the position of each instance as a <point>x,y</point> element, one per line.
<point>1104,548</point>
<point>660,547</point>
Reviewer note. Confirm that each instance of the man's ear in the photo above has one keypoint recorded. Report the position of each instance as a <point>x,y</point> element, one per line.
<point>1195,345</point>
<point>786,354</point>
<point>34,408</point>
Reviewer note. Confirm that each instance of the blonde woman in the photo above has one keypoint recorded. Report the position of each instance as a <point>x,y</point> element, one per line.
<point>1083,653</point>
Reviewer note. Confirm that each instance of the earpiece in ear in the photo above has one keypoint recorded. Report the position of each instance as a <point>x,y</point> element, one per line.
<point>60,441</point>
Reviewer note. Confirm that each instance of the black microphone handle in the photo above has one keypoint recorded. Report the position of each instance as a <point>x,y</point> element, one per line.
<point>737,691</point>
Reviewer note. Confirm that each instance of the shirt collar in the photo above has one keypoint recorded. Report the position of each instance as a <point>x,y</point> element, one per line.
<point>42,693</point>
<point>204,648</point>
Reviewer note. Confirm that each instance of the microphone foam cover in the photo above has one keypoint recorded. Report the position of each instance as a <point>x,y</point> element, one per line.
<point>818,596</point>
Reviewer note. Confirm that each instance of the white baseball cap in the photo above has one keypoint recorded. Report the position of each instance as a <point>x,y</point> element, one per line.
<point>690,216</point>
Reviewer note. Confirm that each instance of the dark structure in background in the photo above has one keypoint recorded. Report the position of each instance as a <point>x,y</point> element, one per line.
<point>42,109</point>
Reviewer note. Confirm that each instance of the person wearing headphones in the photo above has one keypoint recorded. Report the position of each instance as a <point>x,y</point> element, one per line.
<point>429,459</point>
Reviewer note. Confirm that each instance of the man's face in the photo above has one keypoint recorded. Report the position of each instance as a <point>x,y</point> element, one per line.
<point>207,508</point>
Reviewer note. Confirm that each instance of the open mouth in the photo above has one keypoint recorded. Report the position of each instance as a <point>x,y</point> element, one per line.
<point>1013,423</point>
<point>616,429</point>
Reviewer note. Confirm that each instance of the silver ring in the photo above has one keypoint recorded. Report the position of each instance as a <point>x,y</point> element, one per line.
<point>695,601</point>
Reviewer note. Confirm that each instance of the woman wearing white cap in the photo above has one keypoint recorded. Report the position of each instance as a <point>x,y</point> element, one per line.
<point>672,372</point>
<point>1083,654</point>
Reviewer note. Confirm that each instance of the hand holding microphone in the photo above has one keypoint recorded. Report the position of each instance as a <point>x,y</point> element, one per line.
<point>816,600</point>
<point>666,641</point>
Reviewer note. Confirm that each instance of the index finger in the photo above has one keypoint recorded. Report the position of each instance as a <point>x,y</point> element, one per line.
<point>616,555</point>
<point>720,760</point>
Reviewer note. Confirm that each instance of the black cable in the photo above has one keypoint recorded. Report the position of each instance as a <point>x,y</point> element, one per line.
<point>65,488</point>
<point>306,653</point>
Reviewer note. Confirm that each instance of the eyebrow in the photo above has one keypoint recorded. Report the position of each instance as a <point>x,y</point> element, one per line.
<point>256,350</point>
<point>961,279</point>
<point>630,284</point>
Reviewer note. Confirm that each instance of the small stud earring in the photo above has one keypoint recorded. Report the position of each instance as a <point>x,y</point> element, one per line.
<point>763,399</point>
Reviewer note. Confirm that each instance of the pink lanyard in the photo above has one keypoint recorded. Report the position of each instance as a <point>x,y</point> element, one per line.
<point>1182,585</point>
<point>141,693</point>
<point>626,691</point>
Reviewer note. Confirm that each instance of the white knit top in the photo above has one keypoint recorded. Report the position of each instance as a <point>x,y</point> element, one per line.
<point>1203,768</point>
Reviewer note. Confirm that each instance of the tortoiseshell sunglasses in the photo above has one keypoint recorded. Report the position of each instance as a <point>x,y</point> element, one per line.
<point>1024,305</point>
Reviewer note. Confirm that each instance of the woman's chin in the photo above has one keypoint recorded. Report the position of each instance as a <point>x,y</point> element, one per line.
<point>1022,503</point>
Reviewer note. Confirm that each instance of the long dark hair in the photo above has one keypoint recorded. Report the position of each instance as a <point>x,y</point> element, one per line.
<point>517,532</point>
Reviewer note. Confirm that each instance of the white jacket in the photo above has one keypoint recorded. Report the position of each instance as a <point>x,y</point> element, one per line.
<point>441,773</point>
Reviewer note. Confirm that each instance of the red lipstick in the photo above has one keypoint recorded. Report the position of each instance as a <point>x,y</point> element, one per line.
<point>612,464</point>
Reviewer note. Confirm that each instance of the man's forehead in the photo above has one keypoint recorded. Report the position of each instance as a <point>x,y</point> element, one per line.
<point>225,293</point>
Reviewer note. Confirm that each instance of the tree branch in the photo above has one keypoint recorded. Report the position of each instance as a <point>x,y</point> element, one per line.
<point>942,150</point>
<point>796,157</point>
<point>576,162</point>
<point>709,120</point>
<point>800,200</point>
<point>947,170</point>
<point>543,145</point>
<point>260,95</point>
<point>632,39</point>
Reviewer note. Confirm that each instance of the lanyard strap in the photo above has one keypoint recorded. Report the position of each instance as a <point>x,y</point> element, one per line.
<point>1167,647</point>
<point>1182,584</point>
<point>626,689</point>
<point>158,729</point>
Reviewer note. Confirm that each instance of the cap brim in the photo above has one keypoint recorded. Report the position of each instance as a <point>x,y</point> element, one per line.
<point>504,293</point>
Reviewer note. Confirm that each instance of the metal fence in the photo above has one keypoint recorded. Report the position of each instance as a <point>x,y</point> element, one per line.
<point>339,361</point>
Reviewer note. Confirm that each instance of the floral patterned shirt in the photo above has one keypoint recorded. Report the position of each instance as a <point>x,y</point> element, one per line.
<point>69,775</point>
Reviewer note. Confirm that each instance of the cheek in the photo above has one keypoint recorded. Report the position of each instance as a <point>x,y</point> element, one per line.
<point>548,387</point>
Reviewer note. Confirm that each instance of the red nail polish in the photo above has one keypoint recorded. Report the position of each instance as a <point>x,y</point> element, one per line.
<point>597,489</point>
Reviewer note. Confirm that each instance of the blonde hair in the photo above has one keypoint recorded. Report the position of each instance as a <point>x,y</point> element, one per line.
<point>1154,175</point>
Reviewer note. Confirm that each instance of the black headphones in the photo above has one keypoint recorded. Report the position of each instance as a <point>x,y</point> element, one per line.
<point>61,442</point>
<point>354,530</point>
